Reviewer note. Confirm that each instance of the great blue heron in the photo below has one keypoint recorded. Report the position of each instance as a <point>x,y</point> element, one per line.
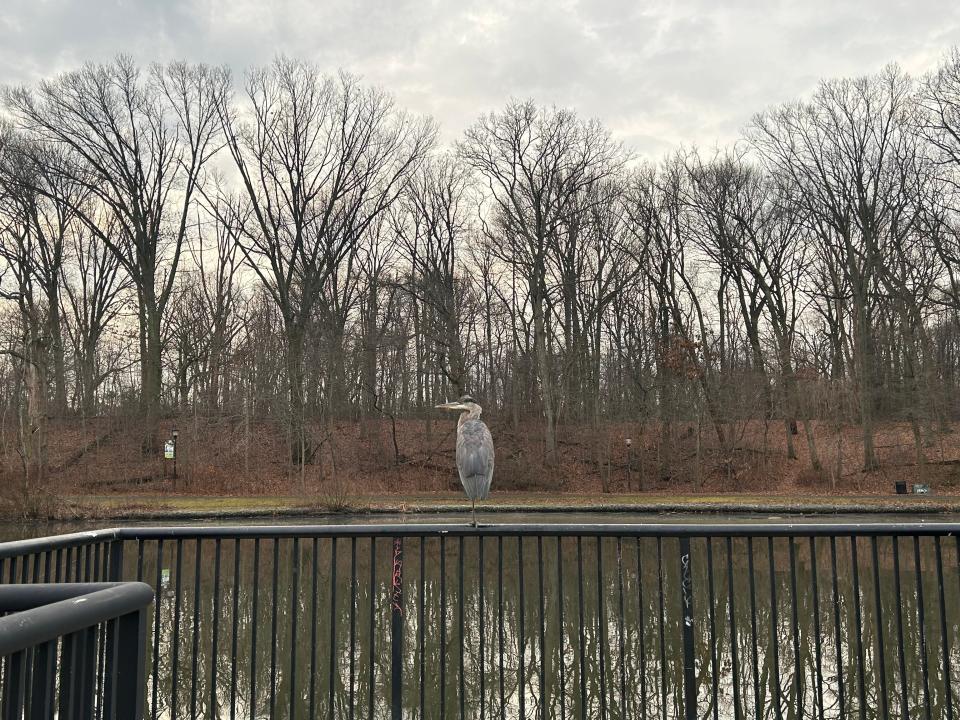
<point>474,451</point>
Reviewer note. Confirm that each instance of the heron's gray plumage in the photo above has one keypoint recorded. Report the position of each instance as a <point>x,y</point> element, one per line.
<point>474,451</point>
<point>475,458</point>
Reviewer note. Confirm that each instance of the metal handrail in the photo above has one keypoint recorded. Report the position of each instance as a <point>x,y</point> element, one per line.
<point>723,529</point>
<point>15,548</point>
<point>45,611</point>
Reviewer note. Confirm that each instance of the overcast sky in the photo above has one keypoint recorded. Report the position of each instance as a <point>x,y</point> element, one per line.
<point>657,73</point>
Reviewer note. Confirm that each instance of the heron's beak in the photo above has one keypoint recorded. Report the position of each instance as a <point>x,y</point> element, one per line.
<point>448,406</point>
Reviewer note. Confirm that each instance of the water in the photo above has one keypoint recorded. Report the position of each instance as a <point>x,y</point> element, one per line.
<point>553,627</point>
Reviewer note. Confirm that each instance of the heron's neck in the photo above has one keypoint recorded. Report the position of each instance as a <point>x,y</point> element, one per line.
<point>473,414</point>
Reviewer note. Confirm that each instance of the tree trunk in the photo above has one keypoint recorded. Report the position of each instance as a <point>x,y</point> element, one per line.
<point>59,362</point>
<point>34,440</point>
<point>546,382</point>
<point>299,447</point>
<point>865,367</point>
<point>151,372</point>
<point>336,371</point>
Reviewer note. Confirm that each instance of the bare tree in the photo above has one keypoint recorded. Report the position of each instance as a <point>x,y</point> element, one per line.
<point>217,258</point>
<point>95,289</point>
<point>849,155</point>
<point>138,144</point>
<point>320,159</point>
<point>432,225</point>
<point>535,162</point>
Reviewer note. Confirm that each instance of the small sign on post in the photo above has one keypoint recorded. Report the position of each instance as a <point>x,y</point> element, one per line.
<point>169,450</point>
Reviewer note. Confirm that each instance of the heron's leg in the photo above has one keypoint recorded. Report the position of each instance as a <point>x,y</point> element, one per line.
<point>473,510</point>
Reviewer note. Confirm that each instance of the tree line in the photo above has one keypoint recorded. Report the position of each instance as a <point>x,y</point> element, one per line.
<point>298,248</point>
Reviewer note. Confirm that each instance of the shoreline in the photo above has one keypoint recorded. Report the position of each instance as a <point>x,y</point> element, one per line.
<point>216,508</point>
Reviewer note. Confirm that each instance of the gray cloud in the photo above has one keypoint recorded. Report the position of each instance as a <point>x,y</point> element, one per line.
<point>657,73</point>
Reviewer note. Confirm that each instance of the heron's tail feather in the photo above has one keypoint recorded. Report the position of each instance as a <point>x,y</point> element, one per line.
<point>476,486</point>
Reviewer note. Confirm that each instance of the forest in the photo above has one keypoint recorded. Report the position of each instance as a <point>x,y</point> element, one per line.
<point>292,270</point>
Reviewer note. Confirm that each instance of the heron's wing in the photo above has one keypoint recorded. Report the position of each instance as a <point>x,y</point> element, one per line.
<point>475,458</point>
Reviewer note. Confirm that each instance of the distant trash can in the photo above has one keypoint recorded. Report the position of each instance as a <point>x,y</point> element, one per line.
<point>921,489</point>
<point>900,487</point>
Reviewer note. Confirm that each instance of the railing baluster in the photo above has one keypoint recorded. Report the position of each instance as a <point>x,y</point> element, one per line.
<point>44,681</point>
<point>443,626</point>
<point>157,603</point>
<point>774,630</point>
<point>947,679</point>
<point>88,672</point>
<point>14,686</point>
<point>582,678</point>
<point>373,636</point>
<point>562,653</point>
<point>396,632</point>
<point>921,627</point>
<point>274,609</point>
<point>521,665</point>
<point>333,626</point>
<point>757,703</point>
<point>254,613</point>
<point>175,664</point>
<point>294,637</point>
<point>621,620</point>
<point>663,621</point>
<point>711,619</point>
<point>66,703</point>
<point>837,626</point>
<point>234,631</point>
<point>858,628</point>
<point>642,625</point>
<point>131,667</point>
<point>901,661</point>
<point>460,624</point>
<point>140,544</point>
<point>314,603</point>
<point>100,690</point>
<point>878,609</point>
<point>503,702</point>
<point>353,624</point>
<point>214,710</point>
<point>421,624</point>
<point>799,689</point>
<point>601,629</point>
<point>686,624</point>
<point>482,626</point>
<point>543,631</point>
<point>195,650</point>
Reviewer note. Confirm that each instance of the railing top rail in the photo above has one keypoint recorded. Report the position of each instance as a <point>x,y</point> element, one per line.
<point>59,617</point>
<point>15,548</point>
<point>721,529</point>
<point>26,596</point>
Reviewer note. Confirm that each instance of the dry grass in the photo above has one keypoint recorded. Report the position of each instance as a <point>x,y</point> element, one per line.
<point>356,466</point>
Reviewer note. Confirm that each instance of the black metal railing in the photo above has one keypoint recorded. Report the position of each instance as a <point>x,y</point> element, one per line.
<point>658,621</point>
<point>73,650</point>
